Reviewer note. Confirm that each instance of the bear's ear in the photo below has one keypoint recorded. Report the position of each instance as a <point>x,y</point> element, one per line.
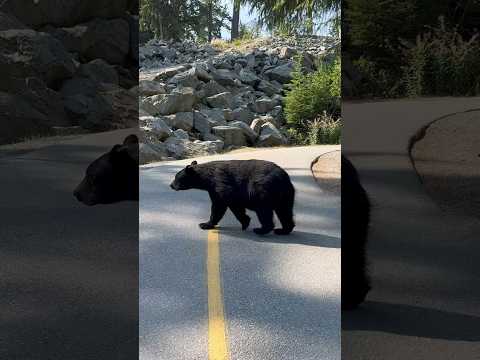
<point>194,162</point>
<point>189,169</point>
<point>130,140</point>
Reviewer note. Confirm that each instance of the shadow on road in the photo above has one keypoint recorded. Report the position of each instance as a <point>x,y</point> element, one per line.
<point>420,256</point>
<point>413,321</point>
<point>296,237</point>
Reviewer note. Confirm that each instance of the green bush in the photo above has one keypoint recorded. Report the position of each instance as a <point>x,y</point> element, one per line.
<point>441,62</point>
<point>323,130</point>
<point>312,94</point>
<point>437,62</point>
<point>312,105</point>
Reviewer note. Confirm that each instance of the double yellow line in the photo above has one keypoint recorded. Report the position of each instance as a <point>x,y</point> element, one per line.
<point>217,339</point>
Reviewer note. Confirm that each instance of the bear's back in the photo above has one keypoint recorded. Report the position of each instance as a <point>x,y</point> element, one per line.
<point>249,182</point>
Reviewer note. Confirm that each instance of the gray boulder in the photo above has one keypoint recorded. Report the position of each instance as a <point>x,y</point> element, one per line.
<point>149,88</point>
<point>186,79</point>
<point>99,107</point>
<point>282,73</point>
<point>222,100</point>
<point>224,77</point>
<point>181,134</point>
<point>248,77</point>
<point>215,116</point>
<point>146,107</point>
<point>271,136</point>
<point>39,55</point>
<point>231,135</point>
<point>100,71</point>
<point>212,88</point>
<point>99,38</point>
<point>201,123</point>
<point>180,120</point>
<point>264,105</point>
<point>243,114</point>
<point>149,153</point>
<point>269,88</point>
<point>247,131</point>
<point>157,126</point>
<point>201,73</point>
<point>180,100</point>
<point>169,72</point>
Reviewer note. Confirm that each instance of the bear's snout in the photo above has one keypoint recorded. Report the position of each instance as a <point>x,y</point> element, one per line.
<point>173,186</point>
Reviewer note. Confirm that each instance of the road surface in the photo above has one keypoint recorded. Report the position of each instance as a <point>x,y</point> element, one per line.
<point>68,272</point>
<point>281,295</point>
<point>424,262</point>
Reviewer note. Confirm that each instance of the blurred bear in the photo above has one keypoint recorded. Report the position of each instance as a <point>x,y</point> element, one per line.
<point>113,177</point>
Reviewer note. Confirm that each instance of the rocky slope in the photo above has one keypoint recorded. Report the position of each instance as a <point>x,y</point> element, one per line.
<point>67,66</point>
<point>198,99</point>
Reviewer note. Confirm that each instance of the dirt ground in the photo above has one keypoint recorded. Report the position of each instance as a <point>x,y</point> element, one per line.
<point>326,170</point>
<point>447,159</point>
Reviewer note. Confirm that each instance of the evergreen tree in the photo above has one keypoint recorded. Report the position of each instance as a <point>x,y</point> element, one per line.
<point>183,19</point>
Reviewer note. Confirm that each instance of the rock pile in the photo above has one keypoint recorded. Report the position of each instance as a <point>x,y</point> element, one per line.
<point>197,100</point>
<point>67,64</point>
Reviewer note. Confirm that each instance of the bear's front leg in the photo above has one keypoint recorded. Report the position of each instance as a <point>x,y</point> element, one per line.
<point>240,214</point>
<point>217,212</point>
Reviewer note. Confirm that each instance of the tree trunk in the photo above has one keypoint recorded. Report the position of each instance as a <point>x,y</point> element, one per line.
<point>235,20</point>
<point>310,19</point>
<point>210,20</point>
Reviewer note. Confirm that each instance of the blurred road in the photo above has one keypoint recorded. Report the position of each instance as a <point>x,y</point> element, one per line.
<point>67,271</point>
<point>424,262</point>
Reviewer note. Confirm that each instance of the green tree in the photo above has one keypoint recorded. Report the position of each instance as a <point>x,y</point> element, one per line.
<point>183,19</point>
<point>297,15</point>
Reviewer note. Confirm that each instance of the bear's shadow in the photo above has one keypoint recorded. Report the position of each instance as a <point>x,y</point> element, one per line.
<point>412,321</point>
<point>296,237</point>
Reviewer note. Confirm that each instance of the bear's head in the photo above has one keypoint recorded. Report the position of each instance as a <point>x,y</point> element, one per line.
<point>112,177</point>
<point>186,178</point>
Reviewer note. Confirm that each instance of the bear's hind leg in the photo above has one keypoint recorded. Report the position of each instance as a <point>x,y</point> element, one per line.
<point>241,216</point>
<point>285,215</point>
<point>218,210</point>
<point>265,216</point>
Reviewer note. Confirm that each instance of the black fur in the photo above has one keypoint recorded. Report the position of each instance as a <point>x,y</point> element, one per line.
<point>355,220</point>
<point>112,177</point>
<point>256,185</point>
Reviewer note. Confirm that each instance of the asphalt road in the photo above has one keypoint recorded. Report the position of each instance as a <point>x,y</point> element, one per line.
<point>424,262</point>
<point>281,295</point>
<point>68,272</point>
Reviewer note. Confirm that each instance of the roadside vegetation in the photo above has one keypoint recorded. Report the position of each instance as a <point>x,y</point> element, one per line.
<point>428,48</point>
<point>312,105</point>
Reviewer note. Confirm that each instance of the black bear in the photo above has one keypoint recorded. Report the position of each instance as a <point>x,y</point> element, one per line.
<point>257,185</point>
<point>112,177</point>
<point>355,221</point>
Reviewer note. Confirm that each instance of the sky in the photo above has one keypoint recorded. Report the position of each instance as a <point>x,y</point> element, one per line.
<point>246,17</point>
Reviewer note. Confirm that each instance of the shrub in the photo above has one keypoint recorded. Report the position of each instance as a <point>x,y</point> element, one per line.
<point>313,94</point>
<point>323,130</point>
<point>441,62</point>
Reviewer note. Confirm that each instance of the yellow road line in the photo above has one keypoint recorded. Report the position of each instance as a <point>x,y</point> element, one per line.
<point>217,339</point>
